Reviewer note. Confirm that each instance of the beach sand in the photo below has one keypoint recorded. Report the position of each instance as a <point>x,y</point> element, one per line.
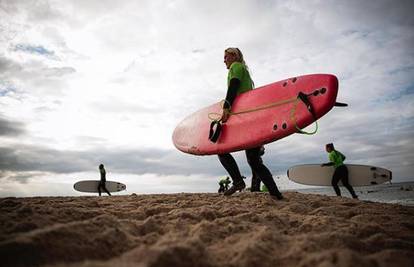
<point>246,229</point>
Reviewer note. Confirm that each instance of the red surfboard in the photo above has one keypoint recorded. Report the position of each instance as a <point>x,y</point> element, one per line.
<point>260,116</point>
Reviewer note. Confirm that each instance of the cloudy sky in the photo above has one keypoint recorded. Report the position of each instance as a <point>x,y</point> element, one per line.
<point>103,81</point>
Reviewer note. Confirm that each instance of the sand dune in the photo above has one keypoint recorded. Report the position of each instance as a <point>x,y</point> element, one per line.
<point>247,229</point>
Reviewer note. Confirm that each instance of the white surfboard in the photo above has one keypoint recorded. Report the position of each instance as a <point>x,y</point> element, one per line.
<point>358,175</point>
<point>91,186</point>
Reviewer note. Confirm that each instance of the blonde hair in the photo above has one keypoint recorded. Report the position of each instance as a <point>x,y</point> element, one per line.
<point>239,58</point>
<point>235,51</point>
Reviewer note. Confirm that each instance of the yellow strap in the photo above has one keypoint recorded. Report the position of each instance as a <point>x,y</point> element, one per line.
<point>267,106</point>
<point>293,118</point>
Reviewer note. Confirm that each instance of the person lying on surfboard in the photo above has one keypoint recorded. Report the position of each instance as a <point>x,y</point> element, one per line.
<point>336,159</point>
<point>238,82</point>
<point>103,180</point>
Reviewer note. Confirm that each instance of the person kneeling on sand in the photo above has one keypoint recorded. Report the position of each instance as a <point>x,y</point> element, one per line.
<point>103,180</point>
<point>224,184</point>
<point>336,159</point>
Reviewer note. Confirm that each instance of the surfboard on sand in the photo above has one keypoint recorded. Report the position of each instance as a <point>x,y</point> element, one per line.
<point>358,175</point>
<point>261,116</point>
<point>91,186</point>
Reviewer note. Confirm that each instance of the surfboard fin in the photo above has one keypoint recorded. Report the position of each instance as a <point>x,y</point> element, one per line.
<point>339,104</point>
<point>215,130</point>
<point>307,103</point>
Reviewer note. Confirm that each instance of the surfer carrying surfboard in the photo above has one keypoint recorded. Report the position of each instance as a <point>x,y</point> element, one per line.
<point>336,159</point>
<point>238,82</point>
<point>102,182</point>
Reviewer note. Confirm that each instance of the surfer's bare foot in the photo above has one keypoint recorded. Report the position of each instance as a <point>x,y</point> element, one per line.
<point>234,188</point>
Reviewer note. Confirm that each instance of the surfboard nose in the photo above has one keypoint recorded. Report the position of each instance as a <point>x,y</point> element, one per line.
<point>333,80</point>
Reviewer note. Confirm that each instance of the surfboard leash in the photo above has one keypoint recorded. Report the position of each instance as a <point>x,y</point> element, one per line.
<point>293,118</point>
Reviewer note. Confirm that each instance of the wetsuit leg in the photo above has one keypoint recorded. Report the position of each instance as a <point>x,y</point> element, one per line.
<point>255,183</point>
<point>106,190</point>
<point>221,189</point>
<point>257,166</point>
<point>99,188</point>
<point>345,182</point>
<point>231,167</point>
<point>255,178</point>
<point>335,179</point>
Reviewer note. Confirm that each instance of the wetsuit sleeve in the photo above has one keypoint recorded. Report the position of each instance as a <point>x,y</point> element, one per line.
<point>231,92</point>
<point>103,175</point>
<point>331,160</point>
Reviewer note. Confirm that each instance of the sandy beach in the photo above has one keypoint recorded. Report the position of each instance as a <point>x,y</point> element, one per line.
<point>246,229</point>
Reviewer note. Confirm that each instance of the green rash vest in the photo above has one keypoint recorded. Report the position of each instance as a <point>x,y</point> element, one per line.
<point>224,181</point>
<point>336,157</point>
<point>239,71</point>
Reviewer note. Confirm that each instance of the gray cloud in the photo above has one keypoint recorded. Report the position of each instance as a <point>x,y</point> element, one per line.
<point>33,76</point>
<point>58,72</point>
<point>33,11</point>
<point>280,155</point>
<point>31,159</point>
<point>8,66</point>
<point>11,128</point>
<point>25,158</point>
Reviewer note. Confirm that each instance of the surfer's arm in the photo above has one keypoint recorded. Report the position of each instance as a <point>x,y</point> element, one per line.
<point>332,160</point>
<point>231,95</point>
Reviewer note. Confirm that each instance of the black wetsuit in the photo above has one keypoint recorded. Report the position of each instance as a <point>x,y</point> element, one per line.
<point>255,178</point>
<point>257,166</point>
<point>253,155</point>
<point>341,174</point>
<point>102,182</point>
<point>224,185</point>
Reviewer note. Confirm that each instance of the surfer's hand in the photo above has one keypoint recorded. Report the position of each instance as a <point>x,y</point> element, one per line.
<point>226,115</point>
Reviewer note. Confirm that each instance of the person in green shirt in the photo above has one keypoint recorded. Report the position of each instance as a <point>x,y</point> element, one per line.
<point>238,82</point>
<point>224,184</point>
<point>336,159</point>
